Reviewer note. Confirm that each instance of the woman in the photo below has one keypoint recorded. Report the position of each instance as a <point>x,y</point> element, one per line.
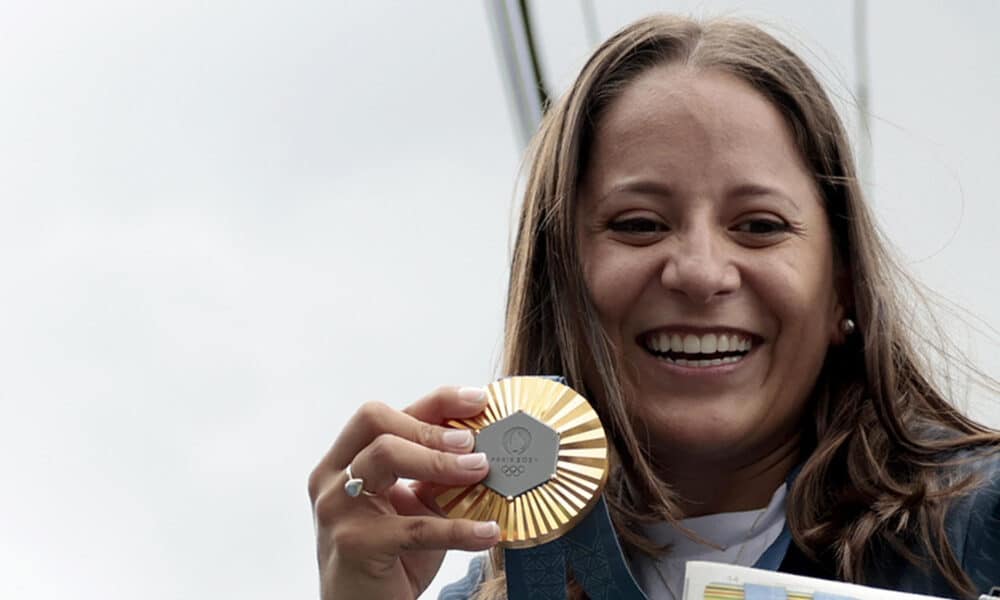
<point>695,257</point>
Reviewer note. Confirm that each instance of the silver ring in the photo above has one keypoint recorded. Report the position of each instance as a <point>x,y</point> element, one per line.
<point>355,486</point>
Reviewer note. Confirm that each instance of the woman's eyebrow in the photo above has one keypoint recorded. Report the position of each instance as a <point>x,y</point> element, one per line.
<point>753,190</point>
<point>740,191</point>
<point>641,186</point>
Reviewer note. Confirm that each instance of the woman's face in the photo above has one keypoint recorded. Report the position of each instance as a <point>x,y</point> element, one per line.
<point>708,255</point>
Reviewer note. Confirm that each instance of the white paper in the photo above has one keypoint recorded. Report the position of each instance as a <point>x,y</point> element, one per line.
<point>700,575</point>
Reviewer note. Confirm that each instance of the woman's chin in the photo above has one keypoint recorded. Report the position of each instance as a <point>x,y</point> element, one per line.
<point>700,436</point>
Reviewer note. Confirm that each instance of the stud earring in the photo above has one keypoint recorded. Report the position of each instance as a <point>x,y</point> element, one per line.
<point>847,326</point>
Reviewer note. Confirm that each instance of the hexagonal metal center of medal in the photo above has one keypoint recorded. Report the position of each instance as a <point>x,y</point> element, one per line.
<point>522,452</point>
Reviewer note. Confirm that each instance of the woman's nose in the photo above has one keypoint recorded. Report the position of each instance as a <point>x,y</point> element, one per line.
<point>698,266</point>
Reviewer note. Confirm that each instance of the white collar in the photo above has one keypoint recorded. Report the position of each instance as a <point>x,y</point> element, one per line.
<point>743,536</point>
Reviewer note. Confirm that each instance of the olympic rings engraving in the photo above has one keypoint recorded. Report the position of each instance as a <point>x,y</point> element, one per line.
<point>512,470</point>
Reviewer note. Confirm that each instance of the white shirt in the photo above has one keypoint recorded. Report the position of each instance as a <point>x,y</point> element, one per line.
<point>743,537</point>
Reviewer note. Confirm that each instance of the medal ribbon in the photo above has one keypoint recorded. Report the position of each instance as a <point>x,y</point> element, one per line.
<point>591,550</point>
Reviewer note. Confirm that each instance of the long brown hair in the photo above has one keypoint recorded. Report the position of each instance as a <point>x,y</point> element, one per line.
<point>883,441</point>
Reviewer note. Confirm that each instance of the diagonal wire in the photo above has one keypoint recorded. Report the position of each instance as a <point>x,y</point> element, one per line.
<point>543,94</point>
<point>519,65</point>
<point>862,92</point>
<point>590,22</point>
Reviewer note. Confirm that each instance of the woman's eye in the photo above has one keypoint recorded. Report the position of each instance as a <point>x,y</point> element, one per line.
<point>762,227</point>
<point>636,225</point>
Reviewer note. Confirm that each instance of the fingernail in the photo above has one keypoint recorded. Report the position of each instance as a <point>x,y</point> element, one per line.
<point>472,395</point>
<point>457,438</point>
<point>486,529</point>
<point>472,461</point>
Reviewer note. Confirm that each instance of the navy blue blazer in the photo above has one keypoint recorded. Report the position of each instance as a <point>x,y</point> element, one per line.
<point>973,529</point>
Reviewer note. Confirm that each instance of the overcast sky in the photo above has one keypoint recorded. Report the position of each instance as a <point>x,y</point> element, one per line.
<point>224,225</point>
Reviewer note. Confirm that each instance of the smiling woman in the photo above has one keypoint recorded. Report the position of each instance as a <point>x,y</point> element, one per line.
<point>694,255</point>
<point>672,245</point>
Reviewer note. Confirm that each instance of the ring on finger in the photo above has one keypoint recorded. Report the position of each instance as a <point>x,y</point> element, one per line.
<point>355,486</point>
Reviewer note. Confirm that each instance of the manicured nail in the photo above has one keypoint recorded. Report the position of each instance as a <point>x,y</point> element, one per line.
<point>486,529</point>
<point>457,438</point>
<point>472,395</point>
<point>472,461</point>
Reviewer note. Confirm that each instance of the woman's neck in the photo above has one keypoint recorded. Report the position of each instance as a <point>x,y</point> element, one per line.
<point>731,486</point>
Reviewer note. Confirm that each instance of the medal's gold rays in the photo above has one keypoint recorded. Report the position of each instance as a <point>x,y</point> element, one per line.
<point>552,508</point>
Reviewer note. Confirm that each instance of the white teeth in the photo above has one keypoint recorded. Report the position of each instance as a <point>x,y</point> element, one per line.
<point>710,343</point>
<point>723,345</point>
<point>676,344</point>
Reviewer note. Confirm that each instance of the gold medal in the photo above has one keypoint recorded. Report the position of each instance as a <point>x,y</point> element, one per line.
<point>548,461</point>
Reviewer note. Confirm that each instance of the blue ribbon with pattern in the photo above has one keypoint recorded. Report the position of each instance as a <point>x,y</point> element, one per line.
<point>591,550</point>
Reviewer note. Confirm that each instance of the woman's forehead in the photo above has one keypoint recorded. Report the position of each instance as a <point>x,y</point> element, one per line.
<point>678,123</point>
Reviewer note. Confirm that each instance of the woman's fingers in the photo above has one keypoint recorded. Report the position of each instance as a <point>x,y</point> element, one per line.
<point>448,402</point>
<point>417,423</point>
<point>381,445</point>
<point>425,493</point>
<point>390,457</point>
<point>407,501</point>
<point>404,534</point>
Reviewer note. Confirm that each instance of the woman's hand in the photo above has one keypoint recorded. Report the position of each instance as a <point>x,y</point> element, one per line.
<point>391,545</point>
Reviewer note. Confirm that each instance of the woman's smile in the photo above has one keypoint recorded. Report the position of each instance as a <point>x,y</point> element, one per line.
<point>683,347</point>
<point>698,352</point>
<point>698,360</point>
